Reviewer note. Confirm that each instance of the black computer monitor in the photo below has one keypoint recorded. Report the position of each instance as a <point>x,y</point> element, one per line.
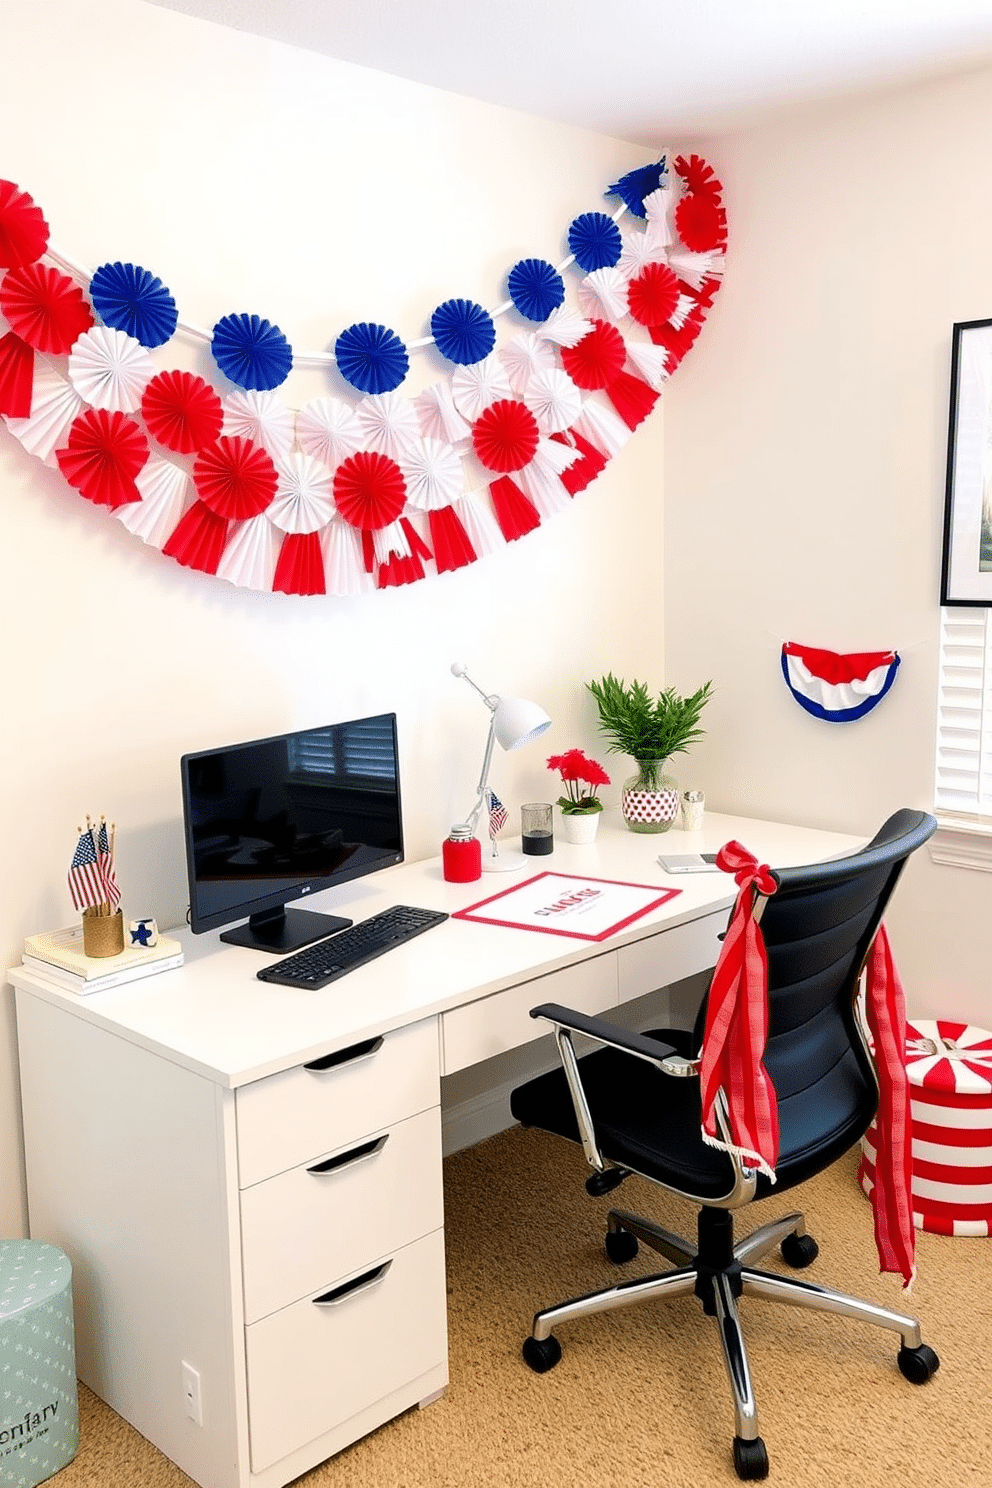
<point>273,820</point>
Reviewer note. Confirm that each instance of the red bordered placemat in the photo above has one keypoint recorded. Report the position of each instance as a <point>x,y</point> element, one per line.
<point>565,904</point>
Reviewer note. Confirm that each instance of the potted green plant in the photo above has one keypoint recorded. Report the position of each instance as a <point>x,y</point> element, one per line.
<point>649,729</point>
<point>580,806</point>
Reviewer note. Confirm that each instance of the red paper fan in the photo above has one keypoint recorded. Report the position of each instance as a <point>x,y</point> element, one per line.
<point>506,436</point>
<point>235,478</point>
<point>698,175</point>
<point>45,308</point>
<point>182,412</point>
<point>23,229</point>
<point>594,361</point>
<point>515,512</point>
<point>581,472</point>
<point>653,295</point>
<point>300,569</point>
<point>104,453</point>
<point>198,539</point>
<point>632,398</point>
<point>701,223</point>
<point>369,490</point>
<point>678,339</point>
<point>452,548</point>
<point>405,568</point>
<point>16,376</point>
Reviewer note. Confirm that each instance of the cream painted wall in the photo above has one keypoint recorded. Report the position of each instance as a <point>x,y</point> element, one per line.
<point>254,177</point>
<point>804,478</point>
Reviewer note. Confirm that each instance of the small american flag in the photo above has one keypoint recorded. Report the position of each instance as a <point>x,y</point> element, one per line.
<point>105,862</point>
<point>85,879</point>
<point>497,814</point>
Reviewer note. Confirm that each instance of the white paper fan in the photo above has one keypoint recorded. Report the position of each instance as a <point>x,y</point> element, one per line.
<point>54,405</point>
<point>601,426</point>
<point>433,475</point>
<point>524,357</point>
<point>249,559</point>
<point>329,430</point>
<point>637,252</point>
<point>658,216</point>
<point>650,362</point>
<point>344,568</point>
<point>261,417</point>
<point>109,369</point>
<point>554,400</point>
<point>541,478</point>
<point>481,527</point>
<point>695,267</point>
<point>564,327</point>
<point>603,294</point>
<point>390,542</point>
<point>164,488</point>
<point>439,418</point>
<point>303,500</point>
<point>476,388</point>
<point>389,424</point>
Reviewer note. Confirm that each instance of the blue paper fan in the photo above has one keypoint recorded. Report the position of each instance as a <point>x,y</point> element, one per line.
<point>463,331</point>
<point>594,240</point>
<point>251,352</point>
<point>536,288</point>
<point>130,299</point>
<point>637,184</point>
<point>371,357</point>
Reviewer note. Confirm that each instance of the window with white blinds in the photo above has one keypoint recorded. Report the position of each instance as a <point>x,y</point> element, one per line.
<point>963,790</point>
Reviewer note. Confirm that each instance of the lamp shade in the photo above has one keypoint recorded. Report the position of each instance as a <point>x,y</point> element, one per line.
<point>517,721</point>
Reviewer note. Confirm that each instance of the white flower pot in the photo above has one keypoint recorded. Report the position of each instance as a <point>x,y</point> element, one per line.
<point>580,827</point>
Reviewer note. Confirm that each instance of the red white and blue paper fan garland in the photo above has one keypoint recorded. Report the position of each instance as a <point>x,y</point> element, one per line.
<point>379,487</point>
<point>837,688</point>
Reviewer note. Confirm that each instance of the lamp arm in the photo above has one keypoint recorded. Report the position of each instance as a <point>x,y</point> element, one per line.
<point>481,789</point>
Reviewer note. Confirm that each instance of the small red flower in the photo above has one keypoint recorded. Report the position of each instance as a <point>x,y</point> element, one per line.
<point>577,771</point>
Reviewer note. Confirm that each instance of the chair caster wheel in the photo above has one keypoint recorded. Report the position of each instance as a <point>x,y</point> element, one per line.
<point>750,1458</point>
<point>799,1250</point>
<point>918,1364</point>
<point>542,1354</point>
<point>621,1246</point>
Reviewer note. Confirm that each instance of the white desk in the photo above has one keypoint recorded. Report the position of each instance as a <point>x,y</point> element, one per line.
<point>278,1227</point>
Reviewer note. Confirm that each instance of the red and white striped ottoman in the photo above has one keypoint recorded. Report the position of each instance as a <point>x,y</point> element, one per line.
<point>950,1077</point>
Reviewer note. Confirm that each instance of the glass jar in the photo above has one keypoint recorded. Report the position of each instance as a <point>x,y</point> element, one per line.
<point>649,800</point>
<point>461,855</point>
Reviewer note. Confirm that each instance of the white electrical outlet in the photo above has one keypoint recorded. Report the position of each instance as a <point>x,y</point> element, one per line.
<point>192,1403</point>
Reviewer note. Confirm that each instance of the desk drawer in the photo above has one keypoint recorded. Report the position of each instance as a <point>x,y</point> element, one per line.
<point>312,1366</point>
<point>659,960</point>
<point>286,1119</point>
<point>502,1021</point>
<point>302,1226</point>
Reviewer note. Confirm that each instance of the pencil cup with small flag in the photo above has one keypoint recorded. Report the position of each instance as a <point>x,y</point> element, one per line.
<point>94,891</point>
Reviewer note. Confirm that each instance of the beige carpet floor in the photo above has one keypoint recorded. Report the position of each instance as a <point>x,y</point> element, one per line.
<point>639,1397</point>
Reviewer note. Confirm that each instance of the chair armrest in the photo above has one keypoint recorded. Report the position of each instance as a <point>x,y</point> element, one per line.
<point>651,1049</point>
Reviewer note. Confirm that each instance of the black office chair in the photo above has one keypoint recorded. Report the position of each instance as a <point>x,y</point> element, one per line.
<point>631,1106</point>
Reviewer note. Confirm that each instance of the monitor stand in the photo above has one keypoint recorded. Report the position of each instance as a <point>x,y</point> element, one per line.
<point>282,930</point>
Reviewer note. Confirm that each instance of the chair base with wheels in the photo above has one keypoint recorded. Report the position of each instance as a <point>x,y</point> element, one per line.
<point>718,1271</point>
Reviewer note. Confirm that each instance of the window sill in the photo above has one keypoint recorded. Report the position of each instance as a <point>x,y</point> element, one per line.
<point>963,844</point>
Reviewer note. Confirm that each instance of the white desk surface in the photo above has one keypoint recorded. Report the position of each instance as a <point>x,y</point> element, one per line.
<point>213,1016</point>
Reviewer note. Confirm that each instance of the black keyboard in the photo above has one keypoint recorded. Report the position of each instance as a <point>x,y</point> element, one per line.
<point>316,965</point>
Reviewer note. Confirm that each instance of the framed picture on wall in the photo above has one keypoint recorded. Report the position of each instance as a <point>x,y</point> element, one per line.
<point>966,571</point>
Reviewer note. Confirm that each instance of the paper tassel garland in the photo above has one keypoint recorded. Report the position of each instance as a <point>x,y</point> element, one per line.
<point>375,486</point>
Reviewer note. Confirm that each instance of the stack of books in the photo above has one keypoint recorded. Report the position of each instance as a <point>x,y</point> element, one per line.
<point>59,957</point>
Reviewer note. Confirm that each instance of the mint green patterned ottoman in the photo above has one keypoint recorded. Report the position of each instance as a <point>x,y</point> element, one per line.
<point>39,1408</point>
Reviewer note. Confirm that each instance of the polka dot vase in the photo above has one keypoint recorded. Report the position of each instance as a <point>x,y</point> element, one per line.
<point>649,800</point>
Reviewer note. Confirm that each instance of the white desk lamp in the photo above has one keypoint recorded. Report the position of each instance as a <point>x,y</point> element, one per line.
<point>514,723</point>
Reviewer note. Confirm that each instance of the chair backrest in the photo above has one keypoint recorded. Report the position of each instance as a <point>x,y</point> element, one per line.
<point>818,928</point>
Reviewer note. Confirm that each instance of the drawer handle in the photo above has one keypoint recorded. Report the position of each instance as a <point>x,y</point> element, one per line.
<point>352,1288</point>
<point>364,1050</point>
<point>367,1149</point>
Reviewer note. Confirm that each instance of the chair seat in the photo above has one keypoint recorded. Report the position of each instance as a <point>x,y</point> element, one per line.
<point>816,1125</point>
